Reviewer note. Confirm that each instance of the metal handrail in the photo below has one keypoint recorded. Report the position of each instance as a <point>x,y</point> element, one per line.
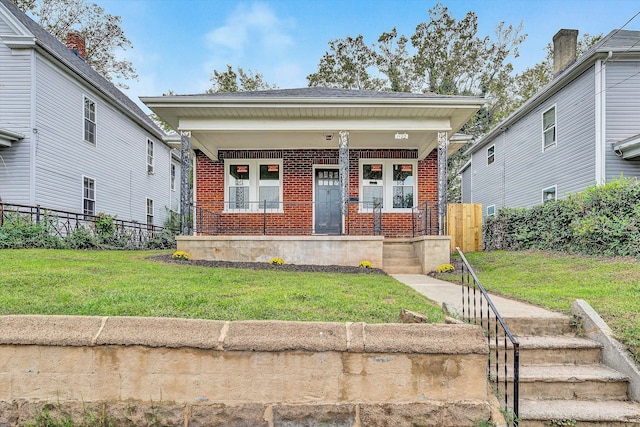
<point>423,217</point>
<point>470,280</point>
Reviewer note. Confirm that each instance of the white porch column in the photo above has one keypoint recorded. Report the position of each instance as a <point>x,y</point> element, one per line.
<point>186,224</point>
<point>343,160</point>
<point>443,146</point>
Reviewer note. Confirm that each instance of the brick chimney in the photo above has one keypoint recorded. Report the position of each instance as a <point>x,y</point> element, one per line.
<point>565,46</point>
<point>75,43</point>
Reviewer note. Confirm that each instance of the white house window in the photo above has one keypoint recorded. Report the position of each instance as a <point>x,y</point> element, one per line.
<point>403,186</point>
<point>149,211</point>
<point>549,194</point>
<point>149,156</point>
<point>173,177</point>
<point>254,185</point>
<point>389,183</point>
<point>89,120</point>
<point>89,196</point>
<point>491,154</point>
<point>491,210</point>
<point>549,128</point>
<point>372,185</point>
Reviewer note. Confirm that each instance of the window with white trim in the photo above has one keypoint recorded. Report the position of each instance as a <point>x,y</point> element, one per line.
<point>89,120</point>
<point>491,210</point>
<point>389,183</point>
<point>491,154</point>
<point>549,194</point>
<point>149,211</point>
<point>253,185</point>
<point>549,128</point>
<point>88,196</point>
<point>149,156</point>
<point>173,177</point>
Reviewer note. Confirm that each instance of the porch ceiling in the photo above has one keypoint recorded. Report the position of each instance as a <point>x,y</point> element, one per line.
<point>298,118</point>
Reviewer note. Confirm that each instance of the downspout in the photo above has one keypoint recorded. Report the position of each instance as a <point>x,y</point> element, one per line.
<point>600,121</point>
<point>33,150</point>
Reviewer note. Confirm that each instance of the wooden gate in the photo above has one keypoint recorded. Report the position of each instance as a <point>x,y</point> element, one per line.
<point>464,225</point>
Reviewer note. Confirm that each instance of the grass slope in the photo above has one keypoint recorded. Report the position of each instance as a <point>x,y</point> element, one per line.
<point>610,285</point>
<point>126,283</point>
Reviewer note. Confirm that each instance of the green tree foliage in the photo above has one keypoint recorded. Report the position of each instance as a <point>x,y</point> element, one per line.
<point>232,81</point>
<point>102,33</point>
<point>602,220</point>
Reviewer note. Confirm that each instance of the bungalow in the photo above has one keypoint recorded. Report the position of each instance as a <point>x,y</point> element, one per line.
<point>69,139</point>
<point>317,175</point>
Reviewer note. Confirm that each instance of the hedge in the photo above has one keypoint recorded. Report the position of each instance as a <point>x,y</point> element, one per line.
<point>601,220</point>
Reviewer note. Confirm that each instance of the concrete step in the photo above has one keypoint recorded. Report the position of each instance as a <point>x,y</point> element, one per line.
<point>610,413</point>
<point>558,350</point>
<point>399,268</point>
<point>578,382</point>
<point>539,326</point>
<point>397,250</point>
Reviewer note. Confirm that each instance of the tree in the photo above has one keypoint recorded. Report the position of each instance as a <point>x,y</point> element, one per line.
<point>230,81</point>
<point>101,31</point>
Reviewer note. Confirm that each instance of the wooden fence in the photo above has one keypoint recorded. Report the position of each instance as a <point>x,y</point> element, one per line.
<point>464,225</point>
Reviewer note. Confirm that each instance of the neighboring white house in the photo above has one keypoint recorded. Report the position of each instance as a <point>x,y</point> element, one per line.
<point>582,129</point>
<point>69,139</point>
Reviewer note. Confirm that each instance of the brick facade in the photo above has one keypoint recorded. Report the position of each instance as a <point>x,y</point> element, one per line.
<point>297,187</point>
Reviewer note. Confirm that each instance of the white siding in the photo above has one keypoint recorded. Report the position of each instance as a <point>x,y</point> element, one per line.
<point>466,185</point>
<point>622,100</point>
<point>15,116</point>
<point>117,161</point>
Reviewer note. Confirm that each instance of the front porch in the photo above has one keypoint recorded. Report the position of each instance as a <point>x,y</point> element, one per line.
<point>431,251</point>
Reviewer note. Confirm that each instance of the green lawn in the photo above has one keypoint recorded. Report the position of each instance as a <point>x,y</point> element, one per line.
<point>610,285</point>
<point>126,283</point>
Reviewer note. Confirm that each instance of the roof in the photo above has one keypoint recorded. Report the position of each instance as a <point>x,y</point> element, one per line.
<point>616,43</point>
<point>79,67</point>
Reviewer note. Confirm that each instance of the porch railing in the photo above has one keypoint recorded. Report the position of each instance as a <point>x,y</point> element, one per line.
<point>503,373</point>
<point>63,223</point>
<point>424,219</point>
<point>286,218</point>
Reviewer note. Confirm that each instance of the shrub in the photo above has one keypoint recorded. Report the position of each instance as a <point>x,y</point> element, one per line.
<point>163,239</point>
<point>180,255</point>
<point>365,264</point>
<point>276,261</point>
<point>81,238</point>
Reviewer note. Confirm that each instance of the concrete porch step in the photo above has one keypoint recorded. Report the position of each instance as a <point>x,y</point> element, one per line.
<point>540,326</point>
<point>565,382</point>
<point>397,250</point>
<point>557,350</point>
<point>402,269</point>
<point>609,413</point>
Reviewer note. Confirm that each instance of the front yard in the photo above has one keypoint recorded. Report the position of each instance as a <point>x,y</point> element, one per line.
<point>127,283</point>
<point>552,280</point>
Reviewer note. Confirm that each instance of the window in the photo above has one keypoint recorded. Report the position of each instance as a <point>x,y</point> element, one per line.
<point>403,186</point>
<point>89,120</point>
<point>88,196</point>
<point>173,177</point>
<point>149,156</point>
<point>549,194</point>
<point>372,186</point>
<point>254,185</point>
<point>549,128</point>
<point>491,154</point>
<point>491,210</point>
<point>149,211</point>
<point>389,183</point>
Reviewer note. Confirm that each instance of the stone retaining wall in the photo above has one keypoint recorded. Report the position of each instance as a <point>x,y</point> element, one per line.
<point>252,373</point>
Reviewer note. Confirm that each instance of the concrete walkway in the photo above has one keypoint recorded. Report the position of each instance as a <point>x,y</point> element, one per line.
<point>441,292</point>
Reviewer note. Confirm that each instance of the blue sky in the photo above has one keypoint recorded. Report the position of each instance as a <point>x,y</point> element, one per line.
<point>178,43</point>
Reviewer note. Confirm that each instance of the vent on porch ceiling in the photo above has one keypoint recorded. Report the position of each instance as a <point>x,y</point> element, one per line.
<point>328,136</point>
<point>628,148</point>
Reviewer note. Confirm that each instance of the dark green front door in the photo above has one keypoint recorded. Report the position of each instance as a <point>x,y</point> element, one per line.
<point>327,209</point>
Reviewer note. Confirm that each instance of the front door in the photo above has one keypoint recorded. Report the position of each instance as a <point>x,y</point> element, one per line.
<point>327,209</point>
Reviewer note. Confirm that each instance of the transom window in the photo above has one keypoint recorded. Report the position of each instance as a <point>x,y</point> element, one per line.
<point>254,185</point>
<point>549,194</point>
<point>89,196</point>
<point>388,183</point>
<point>89,120</point>
<point>491,210</point>
<point>549,128</point>
<point>149,156</point>
<point>491,154</point>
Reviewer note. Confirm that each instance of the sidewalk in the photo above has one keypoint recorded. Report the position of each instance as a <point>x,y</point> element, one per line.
<point>441,291</point>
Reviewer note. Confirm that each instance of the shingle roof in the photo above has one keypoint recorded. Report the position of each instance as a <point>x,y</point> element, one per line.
<point>78,66</point>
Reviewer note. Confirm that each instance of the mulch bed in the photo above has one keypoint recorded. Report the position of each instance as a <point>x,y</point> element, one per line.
<point>267,266</point>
